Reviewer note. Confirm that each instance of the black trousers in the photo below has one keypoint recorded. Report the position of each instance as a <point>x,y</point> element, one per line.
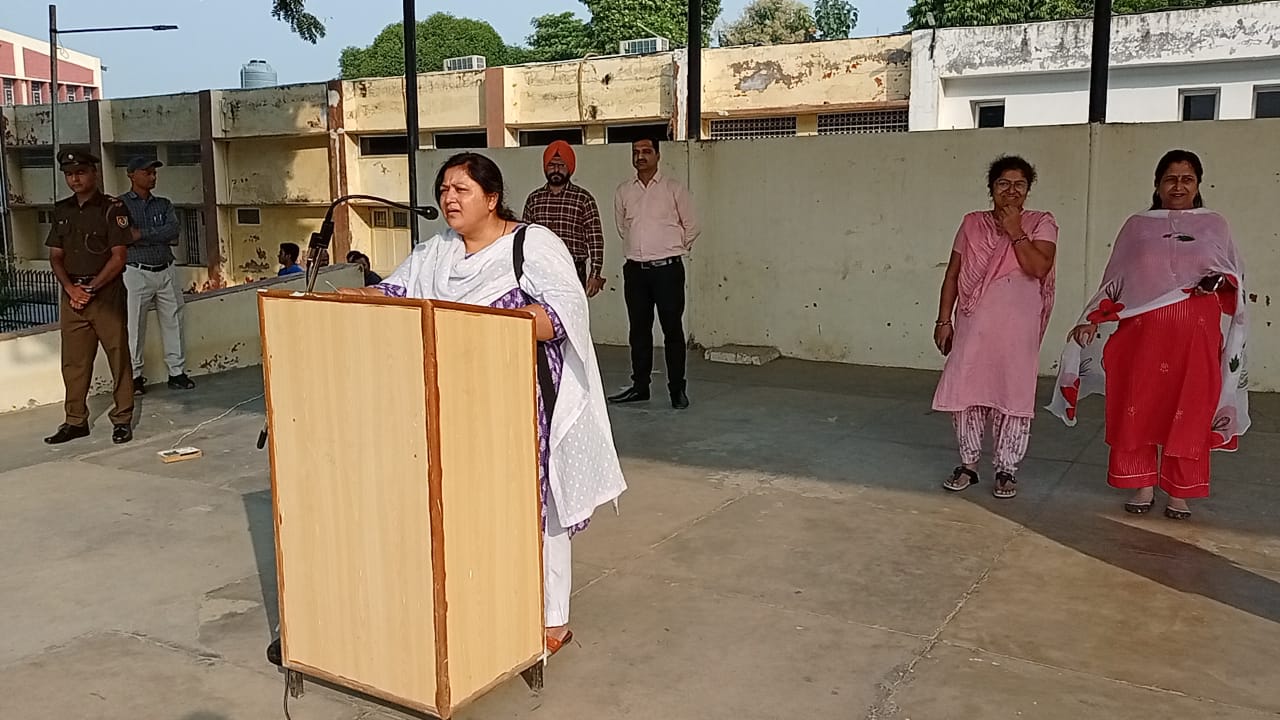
<point>646,289</point>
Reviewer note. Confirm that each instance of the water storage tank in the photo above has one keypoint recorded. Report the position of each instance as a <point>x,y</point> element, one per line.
<point>256,74</point>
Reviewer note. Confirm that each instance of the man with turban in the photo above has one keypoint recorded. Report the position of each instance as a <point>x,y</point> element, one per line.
<point>571,213</point>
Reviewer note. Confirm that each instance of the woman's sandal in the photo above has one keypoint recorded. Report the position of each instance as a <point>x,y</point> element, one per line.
<point>953,483</point>
<point>1006,486</point>
<point>1176,514</point>
<point>1139,508</point>
<point>554,645</point>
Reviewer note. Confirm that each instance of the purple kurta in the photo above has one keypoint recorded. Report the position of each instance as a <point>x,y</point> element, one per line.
<point>514,300</point>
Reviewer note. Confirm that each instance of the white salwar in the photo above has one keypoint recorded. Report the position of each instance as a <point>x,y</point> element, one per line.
<point>584,469</point>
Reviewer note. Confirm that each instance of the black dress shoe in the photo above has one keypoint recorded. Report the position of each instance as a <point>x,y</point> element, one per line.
<point>181,382</point>
<point>679,400</point>
<point>139,385</point>
<point>67,433</point>
<point>121,434</point>
<point>630,395</point>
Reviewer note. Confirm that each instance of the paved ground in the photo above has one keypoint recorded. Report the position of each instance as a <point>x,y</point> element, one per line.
<point>784,551</point>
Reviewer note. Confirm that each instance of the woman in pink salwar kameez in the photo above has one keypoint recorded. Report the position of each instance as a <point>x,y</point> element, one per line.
<point>997,295</point>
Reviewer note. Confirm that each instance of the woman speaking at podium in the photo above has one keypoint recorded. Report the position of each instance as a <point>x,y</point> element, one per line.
<point>488,257</point>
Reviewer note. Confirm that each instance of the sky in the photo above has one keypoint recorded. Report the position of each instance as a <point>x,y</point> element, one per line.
<point>215,37</point>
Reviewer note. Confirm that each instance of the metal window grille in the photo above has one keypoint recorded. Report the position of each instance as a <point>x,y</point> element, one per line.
<point>743,128</point>
<point>859,123</point>
<point>8,92</point>
<point>183,154</point>
<point>28,298</point>
<point>190,221</point>
<point>399,219</point>
<point>126,151</point>
<point>37,95</point>
<point>40,156</point>
<point>380,218</point>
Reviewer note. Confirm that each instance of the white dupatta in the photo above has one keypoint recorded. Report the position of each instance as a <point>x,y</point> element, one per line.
<point>585,472</point>
<point>1158,257</point>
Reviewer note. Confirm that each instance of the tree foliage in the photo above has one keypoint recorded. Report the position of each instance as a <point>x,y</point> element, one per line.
<point>438,37</point>
<point>953,13</point>
<point>302,23</point>
<point>560,36</point>
<point>835,19</point>
<point>613,21</point>
<point>769,22</point>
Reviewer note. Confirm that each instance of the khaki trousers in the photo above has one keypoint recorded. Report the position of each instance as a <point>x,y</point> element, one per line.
<point>102,322</point>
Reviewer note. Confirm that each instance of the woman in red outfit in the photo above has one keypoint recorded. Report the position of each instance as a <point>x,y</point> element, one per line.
<point>1173,368</point>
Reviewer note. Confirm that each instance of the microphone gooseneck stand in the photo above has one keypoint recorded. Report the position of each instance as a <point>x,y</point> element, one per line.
<point>320,243</point>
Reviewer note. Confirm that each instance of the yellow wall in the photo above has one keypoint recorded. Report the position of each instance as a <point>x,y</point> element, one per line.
<point>264,171</point>
<point>221,334</point>
<point>284,110</point>
<point>445,101</point>
<point>162,118</point>
<point>839,72</point>
<point>253,248</point>
<point>611,89</point>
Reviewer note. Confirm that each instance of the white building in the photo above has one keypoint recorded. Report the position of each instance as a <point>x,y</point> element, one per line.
<point>1215,63</point>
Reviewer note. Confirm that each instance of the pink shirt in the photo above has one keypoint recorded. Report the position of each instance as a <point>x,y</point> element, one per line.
<point>656,221</point>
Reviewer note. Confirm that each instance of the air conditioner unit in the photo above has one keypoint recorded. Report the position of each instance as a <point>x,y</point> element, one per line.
<point>644,46</point>
<point>458,64</point>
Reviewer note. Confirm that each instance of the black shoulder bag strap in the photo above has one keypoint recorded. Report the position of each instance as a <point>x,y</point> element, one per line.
<point>545,380</point>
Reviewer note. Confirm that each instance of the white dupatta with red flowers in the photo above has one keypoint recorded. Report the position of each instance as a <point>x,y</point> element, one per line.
<point>1158,259</point>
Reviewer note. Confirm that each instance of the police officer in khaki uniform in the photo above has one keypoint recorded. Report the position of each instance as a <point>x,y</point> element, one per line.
<point>88,241</point>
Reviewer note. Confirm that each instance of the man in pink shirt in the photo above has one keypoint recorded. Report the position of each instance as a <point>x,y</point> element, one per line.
<point>655,219</point>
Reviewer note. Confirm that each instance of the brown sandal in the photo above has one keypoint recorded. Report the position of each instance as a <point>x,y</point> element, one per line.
<point>554,645</point>
<point>960,474</point>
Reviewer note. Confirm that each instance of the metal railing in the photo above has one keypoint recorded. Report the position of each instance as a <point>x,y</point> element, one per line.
<point>28,298</point>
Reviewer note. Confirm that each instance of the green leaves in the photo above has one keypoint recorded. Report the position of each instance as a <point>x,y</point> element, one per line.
<point>955,13</point>
<point>613,21</point>
<point>438,37</point>
<point>560,36</point>
<point>304,24</point>
<point>835,19</point>
<point>769,22</point>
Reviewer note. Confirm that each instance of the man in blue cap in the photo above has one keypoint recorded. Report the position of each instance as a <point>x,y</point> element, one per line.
<point>150,276</point>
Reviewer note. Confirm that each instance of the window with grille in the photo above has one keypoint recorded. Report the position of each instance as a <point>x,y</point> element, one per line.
<point>631,133</point>
<point>400,219</point>
<point>125,152</point>
<point>183,154</point>
<point>189,222</point>
<point>988,114</point>
<point>384,144</point>
<point>40,156</point>
<point>88,93</point>
<point>742,128</point>
<point>858,123</point>
<point>37,96</point>
<point>8,92</point>
<point>1266,102</point>
<point>461,140</point>
<point>531,138</point>
<point>381,218</point>
<point>71,93</point>
<point>1199,104</point>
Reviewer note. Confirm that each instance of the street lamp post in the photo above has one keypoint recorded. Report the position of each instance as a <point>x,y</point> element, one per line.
<point>54,32</point>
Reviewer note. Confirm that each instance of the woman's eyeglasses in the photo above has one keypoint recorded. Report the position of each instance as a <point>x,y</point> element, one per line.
<point>1019,185</point>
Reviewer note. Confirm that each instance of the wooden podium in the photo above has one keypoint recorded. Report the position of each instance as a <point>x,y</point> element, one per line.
<point>404,481</point>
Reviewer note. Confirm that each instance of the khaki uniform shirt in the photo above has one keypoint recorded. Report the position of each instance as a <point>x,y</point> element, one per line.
<point>86,233</point>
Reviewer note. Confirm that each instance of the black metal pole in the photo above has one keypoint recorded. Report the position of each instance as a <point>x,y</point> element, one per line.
<point>53,98</point>
<point>411,110</point>
<point>693,95</point>
<point>1100,61</point>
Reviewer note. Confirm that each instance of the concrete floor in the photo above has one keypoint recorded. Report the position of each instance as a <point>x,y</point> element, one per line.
<point>784,550</point>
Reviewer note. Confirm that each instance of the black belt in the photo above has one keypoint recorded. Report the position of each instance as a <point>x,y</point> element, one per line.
<point>655,263</point>
<point>149,268</point>
<point>81,279</point>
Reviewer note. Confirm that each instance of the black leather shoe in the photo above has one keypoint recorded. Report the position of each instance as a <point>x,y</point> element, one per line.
<point>121,434</point>
<point>181,382</point>
<point>139,385</point>
<point>679,400</point>
<point>630,395</point>
<point>67,433</point>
